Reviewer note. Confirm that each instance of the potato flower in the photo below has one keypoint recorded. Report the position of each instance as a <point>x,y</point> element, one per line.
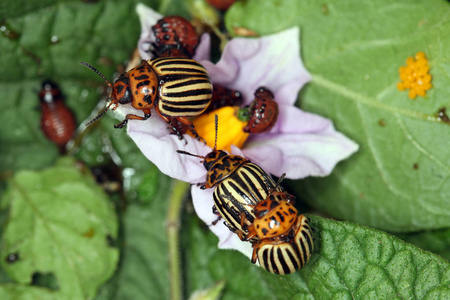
<point>300,144</point>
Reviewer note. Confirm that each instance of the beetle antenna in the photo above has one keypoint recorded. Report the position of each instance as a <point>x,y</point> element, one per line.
<point>281,179</point>
<point>98,116</point>
<point>216,122</point>
<point>96,71</point>
<point>190,154</point>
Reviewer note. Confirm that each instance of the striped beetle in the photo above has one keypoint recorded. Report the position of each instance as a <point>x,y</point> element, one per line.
<point>177,88</point>
<point>258,210</point>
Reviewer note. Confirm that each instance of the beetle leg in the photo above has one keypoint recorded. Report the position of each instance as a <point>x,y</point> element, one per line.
<point>214,223</point>
<point>216,212</point>
<point>250,235</point>
<point>283,195</point>
<point>133,117</point>
<point>255,251</point>
<point>251,231</point>
<point>188,122</point>
<point>176,130</point>
<point>174,127</point>
<point>203,185</point>
<point>199,138</point>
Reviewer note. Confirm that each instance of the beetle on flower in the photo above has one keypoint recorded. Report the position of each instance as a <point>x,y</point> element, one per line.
<point>300,144</point>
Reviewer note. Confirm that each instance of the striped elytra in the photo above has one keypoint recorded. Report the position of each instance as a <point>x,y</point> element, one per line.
<point>286,255</point>
<point>177,88</point>
<point>185,90</point>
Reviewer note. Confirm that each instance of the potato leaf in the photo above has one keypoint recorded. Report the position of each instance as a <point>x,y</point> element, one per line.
<point>60,225</point>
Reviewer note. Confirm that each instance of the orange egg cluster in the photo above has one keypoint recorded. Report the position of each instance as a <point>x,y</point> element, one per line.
<point>415,76</point>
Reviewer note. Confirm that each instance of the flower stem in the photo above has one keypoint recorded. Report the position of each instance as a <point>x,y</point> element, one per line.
<point>173,226</point>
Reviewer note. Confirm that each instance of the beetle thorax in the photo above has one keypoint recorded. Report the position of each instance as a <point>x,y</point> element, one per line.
<point>274,218</point>
<point>144,85</point>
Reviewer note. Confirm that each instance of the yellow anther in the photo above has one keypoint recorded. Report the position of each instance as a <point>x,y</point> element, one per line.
<point>229,130</point>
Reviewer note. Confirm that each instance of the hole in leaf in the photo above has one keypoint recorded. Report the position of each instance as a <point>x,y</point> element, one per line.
<point>47,280</point>
<point>112,242</point>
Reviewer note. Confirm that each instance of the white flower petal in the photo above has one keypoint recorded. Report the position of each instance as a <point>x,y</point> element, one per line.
<point>271,61</point>
<point>153,139</point>
<point>302,144</point>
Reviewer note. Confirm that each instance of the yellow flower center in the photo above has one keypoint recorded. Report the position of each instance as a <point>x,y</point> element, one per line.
<point>229,131</point>
<point>414,76</point>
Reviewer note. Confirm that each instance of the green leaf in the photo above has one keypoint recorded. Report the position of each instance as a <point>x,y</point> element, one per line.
<point>17,8</point>
<point>399,179</point>
<point>16,291</point>
<point>60,224</point>
<point>349,261</point>
<point>437,241</point>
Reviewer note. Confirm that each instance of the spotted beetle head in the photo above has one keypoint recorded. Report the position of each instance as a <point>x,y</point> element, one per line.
<point>121,92</point>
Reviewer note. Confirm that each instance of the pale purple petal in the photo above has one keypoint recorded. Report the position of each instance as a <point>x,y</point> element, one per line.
<point>272,61</point>
<point>148,17</point>
<point>153,139</point>
<point>203,50</point>
<point>301,144</point>
<point>203,203</point>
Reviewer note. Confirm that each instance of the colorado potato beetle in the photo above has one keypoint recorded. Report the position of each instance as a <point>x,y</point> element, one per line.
<point>281,239</point>
<point>57,120</point>
<point>263,112</point>
<point>177,88</point>
<point>258,210</point>
<point>174,37</point>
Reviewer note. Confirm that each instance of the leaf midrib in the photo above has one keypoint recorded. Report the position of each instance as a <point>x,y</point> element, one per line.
<point>356,97</point>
